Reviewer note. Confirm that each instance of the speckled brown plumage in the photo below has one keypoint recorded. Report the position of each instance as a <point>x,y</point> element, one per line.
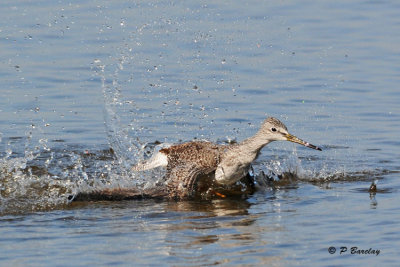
<point>190,163</point>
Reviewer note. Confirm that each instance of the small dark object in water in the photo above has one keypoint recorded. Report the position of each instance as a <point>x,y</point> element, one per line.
<point>372,187</point>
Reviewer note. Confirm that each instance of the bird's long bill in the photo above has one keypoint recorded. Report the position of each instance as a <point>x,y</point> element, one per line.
<point>294,139</point>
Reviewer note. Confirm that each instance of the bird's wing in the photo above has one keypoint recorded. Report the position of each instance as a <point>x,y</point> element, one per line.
<point>183,179</point>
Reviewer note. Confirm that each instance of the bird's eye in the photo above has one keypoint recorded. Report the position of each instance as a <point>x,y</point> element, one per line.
<point>273,129</point>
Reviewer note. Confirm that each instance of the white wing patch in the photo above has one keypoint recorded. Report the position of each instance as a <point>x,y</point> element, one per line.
<point>158,160</point>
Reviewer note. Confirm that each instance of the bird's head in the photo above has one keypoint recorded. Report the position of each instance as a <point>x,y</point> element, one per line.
<point>273,129</point>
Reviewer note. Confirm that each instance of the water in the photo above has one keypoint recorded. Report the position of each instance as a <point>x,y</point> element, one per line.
<point>89,87</point>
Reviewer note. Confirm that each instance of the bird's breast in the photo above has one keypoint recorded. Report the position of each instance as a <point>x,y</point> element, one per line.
<point>230,173</point>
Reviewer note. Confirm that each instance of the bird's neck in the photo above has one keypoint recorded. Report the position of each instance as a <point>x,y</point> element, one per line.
<point>252,145</point>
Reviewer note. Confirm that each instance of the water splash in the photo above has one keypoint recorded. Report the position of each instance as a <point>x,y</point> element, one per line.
<point>35,176</point>
<point>125,134</point>
<point>31,182</point>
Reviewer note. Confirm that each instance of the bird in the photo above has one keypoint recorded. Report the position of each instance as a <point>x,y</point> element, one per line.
<point>196,166</point>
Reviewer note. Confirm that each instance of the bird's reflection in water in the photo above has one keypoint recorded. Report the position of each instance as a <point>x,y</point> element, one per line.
<point>210,229</point>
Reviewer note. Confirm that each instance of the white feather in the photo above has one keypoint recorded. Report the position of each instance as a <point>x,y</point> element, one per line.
<point>157,160</point>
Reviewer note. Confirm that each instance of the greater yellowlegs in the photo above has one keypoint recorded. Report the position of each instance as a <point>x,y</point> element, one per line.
<point>197,164</point>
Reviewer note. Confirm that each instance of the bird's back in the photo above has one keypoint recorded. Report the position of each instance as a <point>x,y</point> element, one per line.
<point>199,153</point>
